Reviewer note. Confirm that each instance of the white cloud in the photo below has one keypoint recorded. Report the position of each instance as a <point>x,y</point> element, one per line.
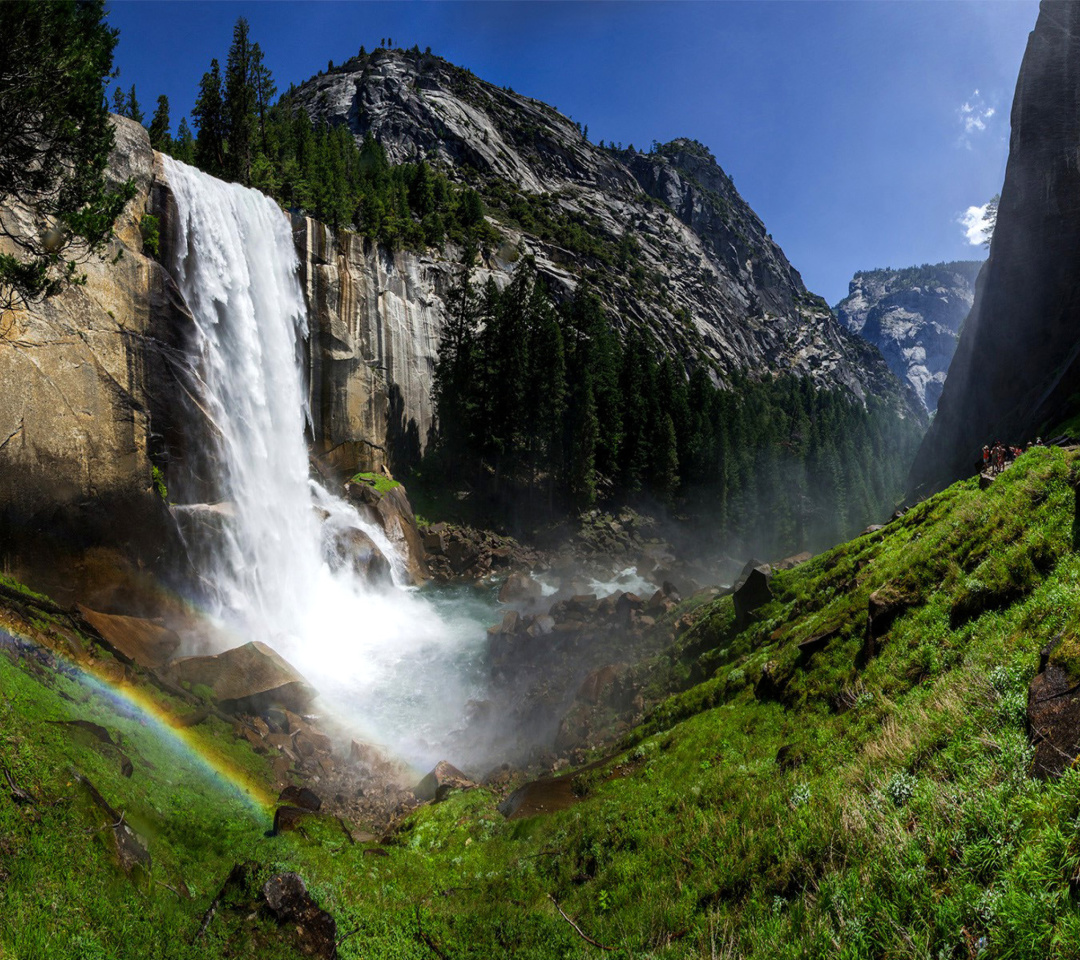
<point>975,224</point>
<point>974,114</point>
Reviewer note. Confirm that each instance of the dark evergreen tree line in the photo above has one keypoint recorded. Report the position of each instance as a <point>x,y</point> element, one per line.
<point>543,406</point>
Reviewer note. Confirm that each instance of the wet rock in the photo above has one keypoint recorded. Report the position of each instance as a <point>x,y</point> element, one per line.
<point>247,679</point>
<point>789,563</point>
<point>439,783</point>
<point>356,550</point>
<point>626,606</point>
<point>289,901</point>
<point>391,510</point>
<point>600,685</point>
<point>130,852</point>
<point>541,626</point>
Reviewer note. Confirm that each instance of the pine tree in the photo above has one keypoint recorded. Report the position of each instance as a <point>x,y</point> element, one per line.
<point>184,145</point>
<point>585,431</point>
<point>263,83</point>
<point>239,106</point>
<point>134,111</point>
<point>55,139</point>
<point>209,116</point>
<point>160,137</point>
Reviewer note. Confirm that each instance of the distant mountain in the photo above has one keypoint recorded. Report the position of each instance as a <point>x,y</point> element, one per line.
<point>913,316</point>
<point>663,237</point>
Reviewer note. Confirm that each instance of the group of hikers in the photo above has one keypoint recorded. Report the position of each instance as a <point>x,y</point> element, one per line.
<point>997,457</point>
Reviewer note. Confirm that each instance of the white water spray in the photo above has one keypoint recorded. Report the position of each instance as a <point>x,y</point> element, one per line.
<point>384,659</point>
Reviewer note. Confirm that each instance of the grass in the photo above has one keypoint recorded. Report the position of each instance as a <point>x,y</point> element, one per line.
<point>381,482</point>
<point>770,804</point>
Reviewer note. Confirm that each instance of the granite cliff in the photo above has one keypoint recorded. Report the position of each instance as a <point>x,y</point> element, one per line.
<point>79,421</point>
<point>672,247</point>
<point>1016,372</point>
<point>913,316</point>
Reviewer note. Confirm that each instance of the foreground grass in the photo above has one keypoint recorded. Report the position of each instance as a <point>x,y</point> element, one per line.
<point>780,805</point>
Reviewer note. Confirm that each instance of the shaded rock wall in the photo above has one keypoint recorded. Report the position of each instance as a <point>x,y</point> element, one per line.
<point>1017,367</point>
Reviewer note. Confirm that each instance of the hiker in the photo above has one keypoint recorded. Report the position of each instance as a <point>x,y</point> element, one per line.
<point>986,457</point>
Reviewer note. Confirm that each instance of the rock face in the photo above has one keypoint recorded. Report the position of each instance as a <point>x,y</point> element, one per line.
<point>376,317</point>
<point>1017,366</point>
<point>78,423</point>
<point>693,262</point>
<point>913,316</point>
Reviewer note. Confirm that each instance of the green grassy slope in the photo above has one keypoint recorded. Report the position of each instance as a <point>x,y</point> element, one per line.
<point>839,804</point>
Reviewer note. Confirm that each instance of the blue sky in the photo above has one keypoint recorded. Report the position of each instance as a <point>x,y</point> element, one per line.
<point>860,132</point>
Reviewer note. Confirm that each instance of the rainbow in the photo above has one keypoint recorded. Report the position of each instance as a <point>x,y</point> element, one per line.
<point>186,741</point>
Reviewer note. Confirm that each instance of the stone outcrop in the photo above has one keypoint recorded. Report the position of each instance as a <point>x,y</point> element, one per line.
<point>1017,366</point>
<point>913,316</point>
<point>387,504</point>
<point>697,266</point>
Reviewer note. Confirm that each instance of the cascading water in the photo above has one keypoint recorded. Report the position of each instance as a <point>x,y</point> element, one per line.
<point>386,660</point>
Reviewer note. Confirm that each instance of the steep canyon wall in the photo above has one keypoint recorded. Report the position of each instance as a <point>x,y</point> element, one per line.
<point>1017,366</point>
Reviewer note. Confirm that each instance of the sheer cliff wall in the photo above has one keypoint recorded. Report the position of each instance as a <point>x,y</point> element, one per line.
<point>1016,371</point>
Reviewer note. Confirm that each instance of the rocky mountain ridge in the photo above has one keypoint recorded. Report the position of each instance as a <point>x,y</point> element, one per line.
<point>913,316</point>
<point>672,246</point>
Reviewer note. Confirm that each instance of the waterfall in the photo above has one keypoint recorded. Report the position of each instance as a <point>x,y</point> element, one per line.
<point>386,660</point>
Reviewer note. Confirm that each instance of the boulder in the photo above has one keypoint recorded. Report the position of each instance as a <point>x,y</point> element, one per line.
<point>751,592</point>
<point>541,625</point>
<point>288,818</point>
<point>289,901</point>
<point>133,639</point>
<point>389,507</point>
<point>355,549</point>
<point>443,779</point>
<point>601,686</point>
<point>810,646</point>
<point>885,605</point>
<point>247,679</point>
<point>626,606</point>
<point>520,588</point>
